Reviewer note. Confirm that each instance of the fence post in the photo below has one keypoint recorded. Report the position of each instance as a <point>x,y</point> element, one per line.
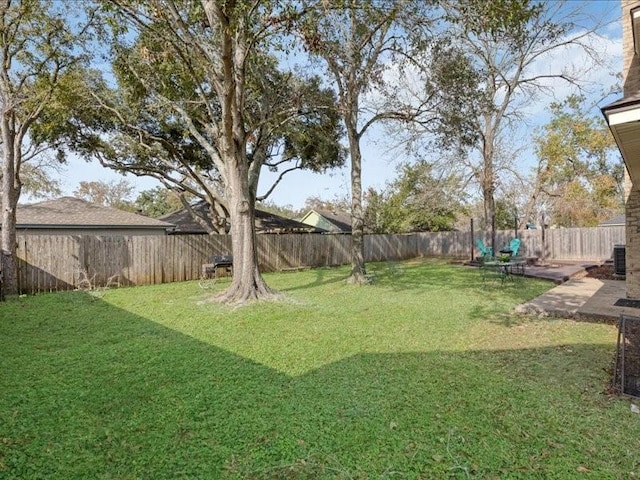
<point>1,278</point>
<point>471,241</point>
<point>544,243</point>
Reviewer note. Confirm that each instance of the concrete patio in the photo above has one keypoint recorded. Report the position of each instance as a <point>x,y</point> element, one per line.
<point>577,296</point>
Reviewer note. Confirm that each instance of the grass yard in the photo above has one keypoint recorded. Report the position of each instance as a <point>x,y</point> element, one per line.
<point>424,374</point>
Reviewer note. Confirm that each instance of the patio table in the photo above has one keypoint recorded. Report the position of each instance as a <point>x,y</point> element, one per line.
<point>506,270</point>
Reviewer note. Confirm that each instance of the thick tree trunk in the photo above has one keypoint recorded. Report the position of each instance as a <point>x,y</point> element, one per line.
<point>9,200</point>
<point>229,82</point>
<point>247,283</point>
<point>358,270</point>
<point>489,185</point>
<point>490,211</point>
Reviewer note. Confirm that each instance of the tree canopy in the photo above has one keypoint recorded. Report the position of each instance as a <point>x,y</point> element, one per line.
<point>416,201</point>
<point>578,179</point>
<point>505,41</point>
<point>112,193</point>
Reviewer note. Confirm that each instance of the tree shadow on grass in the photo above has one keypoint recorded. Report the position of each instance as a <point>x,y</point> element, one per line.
<point>419,274</point>
<point>456,279</point>
<point>427,276</point>
<point>323,276</point>
<point>97,392</point>
<point>399,275</point>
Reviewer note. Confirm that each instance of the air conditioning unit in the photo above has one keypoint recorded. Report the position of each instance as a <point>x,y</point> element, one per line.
<point>619,260</point>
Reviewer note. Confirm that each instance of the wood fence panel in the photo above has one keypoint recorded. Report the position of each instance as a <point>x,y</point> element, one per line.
<point>427,244</point>
<point>289,252</point>
<point>455,244</point>
<point>319,250</point>
<point>383,247</point>
<point>268,256</point>
<point>139,274</point>
<point>531,243</point>
<point>103,259</point>
<point>50,264</point>
<point>56,262</point>
<point>340,249</point>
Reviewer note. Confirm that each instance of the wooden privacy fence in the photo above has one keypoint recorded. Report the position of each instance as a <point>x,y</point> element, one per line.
<point>58,262</point>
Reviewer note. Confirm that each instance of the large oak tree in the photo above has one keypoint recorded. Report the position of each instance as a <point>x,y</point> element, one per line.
<point>211,93</point>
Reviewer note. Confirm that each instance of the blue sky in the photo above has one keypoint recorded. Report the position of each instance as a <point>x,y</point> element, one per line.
<point>379,163</point>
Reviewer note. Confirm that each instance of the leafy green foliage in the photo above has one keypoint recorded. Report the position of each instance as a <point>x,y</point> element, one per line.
<point>426,374</point>
<point>71,108</point>
<point>290,121</point>
<point>415,201</point>
<point>506,214</point>
<point>38,182</point>
<point>502,21</point>
<point>313,137</point>
<point>578,174</point>
<point>157,201</point>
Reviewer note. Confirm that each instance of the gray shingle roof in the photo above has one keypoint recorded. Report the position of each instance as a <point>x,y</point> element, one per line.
<point>265,222</point>
<point>619,220</point>
<point>342,220</point>
<point>623,102</point>
<point>74,212</point>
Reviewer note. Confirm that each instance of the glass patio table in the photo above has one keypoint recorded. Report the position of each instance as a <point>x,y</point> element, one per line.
<point>506,270</point>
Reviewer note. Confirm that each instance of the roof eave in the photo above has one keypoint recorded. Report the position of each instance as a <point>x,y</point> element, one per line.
<point>623,118</point>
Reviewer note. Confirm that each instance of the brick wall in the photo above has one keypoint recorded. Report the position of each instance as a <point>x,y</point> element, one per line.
<point>630,61</point>
<point>631,86</point>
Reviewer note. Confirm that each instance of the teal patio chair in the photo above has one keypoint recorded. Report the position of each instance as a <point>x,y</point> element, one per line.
<point>514,246</point>
<point>485,251</point>
<point>519,263</point>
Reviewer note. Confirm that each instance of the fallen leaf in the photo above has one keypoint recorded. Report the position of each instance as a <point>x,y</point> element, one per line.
<point>582,469</point>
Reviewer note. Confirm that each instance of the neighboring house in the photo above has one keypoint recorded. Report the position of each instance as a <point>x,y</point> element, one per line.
<point>333,222</point>
<point>73,216</point>
<point>265,222</point>
<point>619,221</point>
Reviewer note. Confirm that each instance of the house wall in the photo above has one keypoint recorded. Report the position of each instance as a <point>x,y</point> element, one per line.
<point>313,218</point>
<point>631,86</point>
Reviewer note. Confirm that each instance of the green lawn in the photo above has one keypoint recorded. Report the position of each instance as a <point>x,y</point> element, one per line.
<point>424,374</point>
